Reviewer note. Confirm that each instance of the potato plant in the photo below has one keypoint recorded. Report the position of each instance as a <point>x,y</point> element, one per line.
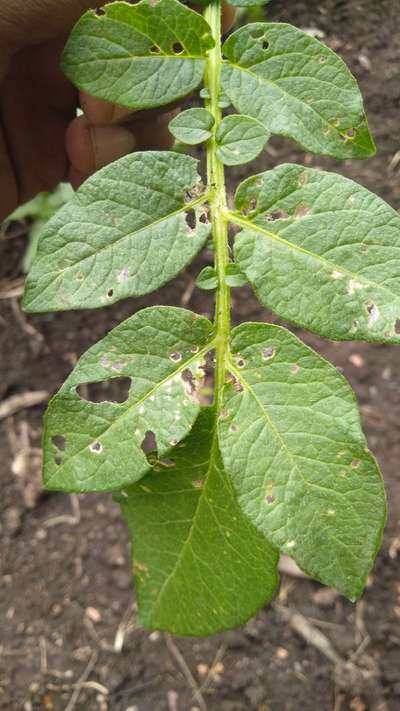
<point>278,462</point>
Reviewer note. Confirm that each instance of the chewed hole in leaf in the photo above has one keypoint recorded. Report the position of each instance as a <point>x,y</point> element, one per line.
<point>373,314</point>
<point>59,442</point>
<point>166,462</point>
<point>96,447</point>
<point>113,390</point>
<point>249,206</point>
<point>110,293</point>
<point>257,33</point>
<point>175,356</point>
<point>268,353</point>
<point>191,220</point>
<point>99,12</point>
<point>149,443</point>
<point>277,215</point>
<point>203,218</point>
<point>154,49</point>
<point>177,48</point>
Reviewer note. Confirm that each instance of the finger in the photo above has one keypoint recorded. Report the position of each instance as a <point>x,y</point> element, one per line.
<point>91,147</point>
<point>102,113</point>
<point>228,17</point>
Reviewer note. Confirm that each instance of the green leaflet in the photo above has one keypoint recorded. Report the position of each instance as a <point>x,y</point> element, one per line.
<point>200,565</point>
<point>207,279</point>
<point>234,277</point>
<point>322,252</point>
<point>97,446</point>
<point>192,126</point>
<point>291,440</point>
<point>129,229</point>
<point>240,139</point>
<point>296,87</point>
<point>139,56</point>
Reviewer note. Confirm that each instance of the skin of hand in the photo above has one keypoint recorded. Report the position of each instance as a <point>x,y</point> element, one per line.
<point>41,140</point>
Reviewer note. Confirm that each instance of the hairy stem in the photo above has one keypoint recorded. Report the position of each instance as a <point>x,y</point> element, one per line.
<point>216,183</point>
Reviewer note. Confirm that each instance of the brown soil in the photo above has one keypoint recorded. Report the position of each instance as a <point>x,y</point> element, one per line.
<point>66,593</point>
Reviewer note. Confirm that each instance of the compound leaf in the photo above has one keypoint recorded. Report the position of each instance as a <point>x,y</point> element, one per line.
<point>100,446</point>
<point>138,56</point>
<point>240,139</point>
<point>322,252</point>
<point>291,440</point>
<point>129,229</point>
<point>192,126</point>
<point>200,565</point>
<point>296,87</point>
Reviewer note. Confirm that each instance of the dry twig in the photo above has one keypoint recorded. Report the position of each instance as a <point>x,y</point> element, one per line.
<point>176,654</point>
<point>15,403</point>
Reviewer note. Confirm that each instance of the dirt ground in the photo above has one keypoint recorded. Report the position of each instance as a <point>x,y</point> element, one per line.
<point>68,638</point>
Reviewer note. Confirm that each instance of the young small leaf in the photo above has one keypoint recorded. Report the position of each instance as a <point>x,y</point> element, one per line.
<point>240,139</point>
<point>291,440</point>
<point>129,229</point>
<point>139,56</point>
<point>207,279</point>
<point>99,446</point>
<point>322,252</point>
<point>200,565</point>
<point>296,87</point>
<point>234,276</point>
<point>192,126</point>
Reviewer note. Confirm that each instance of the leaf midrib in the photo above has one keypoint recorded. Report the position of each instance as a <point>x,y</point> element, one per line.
<point>128,410</point>
<point>129,235</point>
<point>284,446</point>
<point>283,91</point>
<point>242,222</point>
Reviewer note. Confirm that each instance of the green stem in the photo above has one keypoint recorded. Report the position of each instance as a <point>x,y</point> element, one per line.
<point>216,182</point>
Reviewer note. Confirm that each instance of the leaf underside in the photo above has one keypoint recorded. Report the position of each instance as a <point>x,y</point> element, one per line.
<point>296,87</point>
<point>200,566</point>
<point>192,126</point>
<point>130,228</point>
<point>140,56</point>
<point>240,139</point>
<point>322,252</point>
<point>291,440</point>
<point>98,446</point>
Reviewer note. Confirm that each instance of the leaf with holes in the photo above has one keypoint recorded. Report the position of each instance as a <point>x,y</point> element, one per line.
<point>192,126</point>
<point>291,440</point>
<point>139,56</point>
<point>188,533</point>
<point>129,229</point>
<point>240,139</point>
<point>322,252</point>
<point>99,446</point>
<point>296,87</point>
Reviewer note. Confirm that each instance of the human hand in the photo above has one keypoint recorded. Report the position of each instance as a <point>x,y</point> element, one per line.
<point>41,140</point>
